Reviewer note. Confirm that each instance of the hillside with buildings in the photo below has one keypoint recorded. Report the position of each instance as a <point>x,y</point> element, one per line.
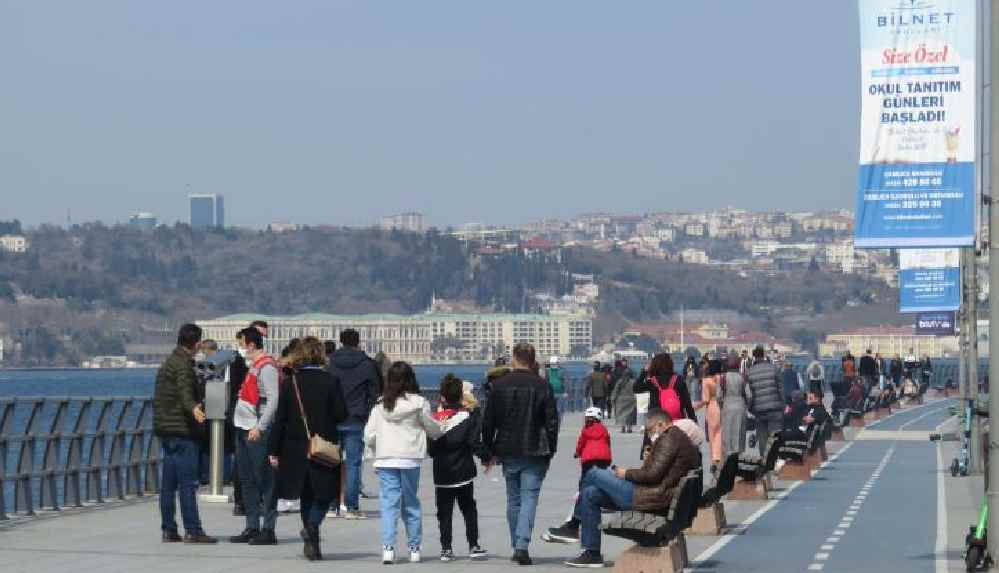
<point>67,294</point>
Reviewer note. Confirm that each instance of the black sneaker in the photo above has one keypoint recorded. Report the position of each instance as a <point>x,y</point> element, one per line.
<point>245,537</point>
<point>563,534</point>
<point>587,560</point>
<point>478,553</point>
<point>521,557</point>
<point>265,537</point>
<point>447,555</point>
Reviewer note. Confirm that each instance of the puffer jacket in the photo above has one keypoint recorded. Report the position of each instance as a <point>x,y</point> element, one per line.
<point>767,395</point>
<point>454,452</point>
<point>672,456</point>
<point>358,375</point>
<point>520,418</point>
<point>174,397</point>
<point>403,432</point>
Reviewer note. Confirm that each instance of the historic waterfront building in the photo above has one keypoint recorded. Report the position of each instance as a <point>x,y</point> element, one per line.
<point>424,338</point>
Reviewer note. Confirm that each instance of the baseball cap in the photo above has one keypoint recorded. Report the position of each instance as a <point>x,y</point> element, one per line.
<point>593,412</point>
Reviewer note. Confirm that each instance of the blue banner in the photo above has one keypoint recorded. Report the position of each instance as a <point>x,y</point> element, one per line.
<point>916,184</point>
<point>923,290</point>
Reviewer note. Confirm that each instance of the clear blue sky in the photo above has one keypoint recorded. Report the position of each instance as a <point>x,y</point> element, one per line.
<point>497,112</point>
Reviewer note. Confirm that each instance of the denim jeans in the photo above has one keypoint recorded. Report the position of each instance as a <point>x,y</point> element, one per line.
<point>767,425</point>
<point>257,479</point>
<point>524,477</point>
<point>399,495</point>
<point>353,448</point>
<point>180,476</point>
<point>600,489</point>
<point>561,401</point>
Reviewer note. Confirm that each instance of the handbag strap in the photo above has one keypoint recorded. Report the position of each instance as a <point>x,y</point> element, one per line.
<point>301,407</point>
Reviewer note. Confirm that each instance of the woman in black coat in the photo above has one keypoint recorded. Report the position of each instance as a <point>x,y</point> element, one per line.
<point>317,485</point>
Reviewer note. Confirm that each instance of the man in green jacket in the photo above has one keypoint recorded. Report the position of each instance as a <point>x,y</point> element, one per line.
<point>176,420</point>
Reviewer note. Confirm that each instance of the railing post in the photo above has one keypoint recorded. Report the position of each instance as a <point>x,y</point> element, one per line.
<point>95,462</point>
<point>23,492</point>
<point>137,464</point>
<point>115,466</point>
<point>50,460</point>
<point>6,420</point>
<point>74,456</point>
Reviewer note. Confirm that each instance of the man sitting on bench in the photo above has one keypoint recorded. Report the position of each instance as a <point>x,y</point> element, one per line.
<point>648,489</point>
<point>802,418</point>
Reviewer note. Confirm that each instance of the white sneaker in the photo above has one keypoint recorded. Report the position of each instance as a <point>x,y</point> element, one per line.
<point>388,555</point>
<point>414,554</point>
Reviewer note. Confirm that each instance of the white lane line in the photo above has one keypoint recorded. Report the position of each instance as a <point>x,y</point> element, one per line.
<point>941,545</point>
<point>832,539</point>
<point>918,418</point>
<point>843,526</point>
<point>821,556</point>
<point>726,539</point>
<point>839,532</point>
<point>816,567</point>
<point>827,547</point>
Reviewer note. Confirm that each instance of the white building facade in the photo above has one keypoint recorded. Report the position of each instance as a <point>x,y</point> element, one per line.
<point>419,338</point>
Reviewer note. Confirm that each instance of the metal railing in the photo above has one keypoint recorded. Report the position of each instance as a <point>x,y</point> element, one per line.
<point>108,453</point>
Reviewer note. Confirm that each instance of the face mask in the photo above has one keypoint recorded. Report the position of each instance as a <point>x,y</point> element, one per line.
<point>654,437</point>
<point>199,357</point>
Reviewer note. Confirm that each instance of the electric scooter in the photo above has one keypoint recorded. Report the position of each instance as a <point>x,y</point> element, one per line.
<point>976,556</point>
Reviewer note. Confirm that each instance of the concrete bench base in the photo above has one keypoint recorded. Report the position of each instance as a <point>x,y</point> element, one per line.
<point>837,435</point>
<point>709,521</point>
<point>796,471</point>
<point>669,559</point>
<point>872,415</point>
<point>857,423</point>
<point>749,490</point>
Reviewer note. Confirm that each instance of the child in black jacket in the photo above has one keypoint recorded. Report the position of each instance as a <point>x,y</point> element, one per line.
<point>454,465</point>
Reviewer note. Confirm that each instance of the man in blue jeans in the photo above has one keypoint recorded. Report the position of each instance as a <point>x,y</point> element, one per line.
<point>520,430</point>
<point>358,376</point>
<point>649,489</point>
<point>178,421</point>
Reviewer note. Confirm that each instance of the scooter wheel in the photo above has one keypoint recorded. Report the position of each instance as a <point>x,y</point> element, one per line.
<point>973,558</point>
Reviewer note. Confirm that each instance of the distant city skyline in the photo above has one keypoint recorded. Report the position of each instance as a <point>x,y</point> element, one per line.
<point>342,113</point>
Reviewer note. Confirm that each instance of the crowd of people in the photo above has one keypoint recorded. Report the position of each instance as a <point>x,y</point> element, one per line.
<point>301,425</point>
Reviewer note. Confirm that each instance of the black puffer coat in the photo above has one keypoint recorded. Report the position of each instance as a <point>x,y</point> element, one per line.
<point>454,453</point>
<point>520,418</point>
<point>325,408</point>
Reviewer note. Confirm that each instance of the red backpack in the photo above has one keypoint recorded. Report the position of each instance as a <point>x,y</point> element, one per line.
<point>669,400</point>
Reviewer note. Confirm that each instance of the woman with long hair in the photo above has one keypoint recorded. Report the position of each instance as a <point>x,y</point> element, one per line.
<point>310,403</point>
<point>397,431</point>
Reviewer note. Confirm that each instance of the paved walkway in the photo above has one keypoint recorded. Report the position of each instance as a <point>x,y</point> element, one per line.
<point>874,507</point>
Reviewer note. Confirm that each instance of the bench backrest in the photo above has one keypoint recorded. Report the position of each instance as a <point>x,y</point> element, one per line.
<point>725,483</point>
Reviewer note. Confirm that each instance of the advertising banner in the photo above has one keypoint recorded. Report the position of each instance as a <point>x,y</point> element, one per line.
<point>916,184</point>
<point>929,280</point>
<point>936,324</point>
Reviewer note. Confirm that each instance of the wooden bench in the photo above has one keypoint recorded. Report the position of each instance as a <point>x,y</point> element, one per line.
<point>752,471</point>
<point>710,519</point>
<point>660,546</point>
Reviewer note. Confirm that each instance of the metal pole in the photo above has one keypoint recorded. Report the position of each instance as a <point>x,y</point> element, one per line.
<point>991,491</point>
<point>216,449</point>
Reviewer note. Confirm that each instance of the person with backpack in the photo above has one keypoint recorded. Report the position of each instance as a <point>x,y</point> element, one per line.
<point>595,388</point>
<point>667,392</point>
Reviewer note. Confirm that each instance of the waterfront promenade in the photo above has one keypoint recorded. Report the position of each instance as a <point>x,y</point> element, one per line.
<point>892,469</point>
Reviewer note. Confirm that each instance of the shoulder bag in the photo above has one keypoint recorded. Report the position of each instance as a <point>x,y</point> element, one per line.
<point>321,450</point>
